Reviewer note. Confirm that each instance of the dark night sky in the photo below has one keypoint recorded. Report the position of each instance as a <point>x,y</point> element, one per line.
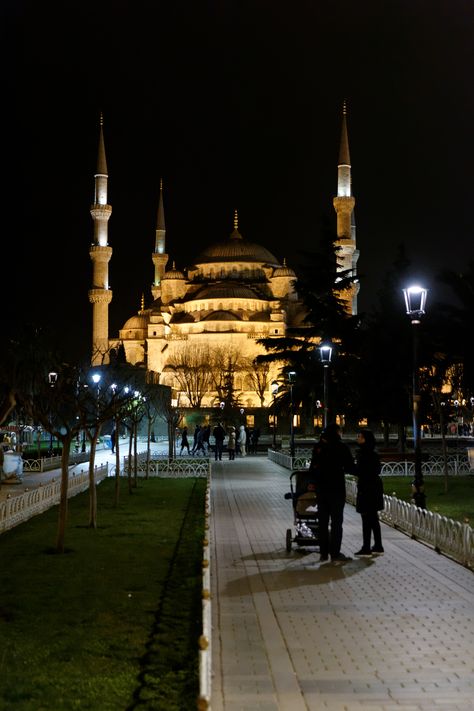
<point>236,104</point>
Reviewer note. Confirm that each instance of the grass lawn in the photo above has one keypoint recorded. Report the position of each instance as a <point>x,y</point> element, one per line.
<point>113,624</point>
<point>457,503</point>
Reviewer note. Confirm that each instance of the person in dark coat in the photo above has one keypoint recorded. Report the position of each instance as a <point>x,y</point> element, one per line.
<point>219,435</point>
<point>184,440</point>
<point>369,493</point>
<point>195,438</point>
<point>331,460</point>
<point>206,437</point>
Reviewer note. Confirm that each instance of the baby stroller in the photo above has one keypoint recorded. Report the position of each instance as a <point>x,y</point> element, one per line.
<point>305,510</point>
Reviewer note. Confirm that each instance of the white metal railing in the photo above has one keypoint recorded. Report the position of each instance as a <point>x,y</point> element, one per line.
<point>19,508</point>
<point>301,460</point>
<point>45,464</point>
<point>163,466</point>
<point>457,464</point>
<point>453,538</point>
<point>205,640</point>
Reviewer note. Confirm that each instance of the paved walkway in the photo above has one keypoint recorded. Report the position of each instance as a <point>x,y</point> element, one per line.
<point>292,634</point>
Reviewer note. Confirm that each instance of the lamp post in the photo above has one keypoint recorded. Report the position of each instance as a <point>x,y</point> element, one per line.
<point>52,379</point>
<point>415,300</point>
<point>325,354</point>
<point>274,387</point>
<point>291,380</point>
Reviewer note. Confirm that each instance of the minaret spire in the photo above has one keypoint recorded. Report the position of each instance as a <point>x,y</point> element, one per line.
<point>344,204</point>
<point>159,256</point>
<point>100,253</point>
<point>235,233</point>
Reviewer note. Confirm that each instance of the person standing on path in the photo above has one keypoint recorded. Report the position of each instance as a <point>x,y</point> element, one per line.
<point>242,440</point>
<point>219,435</point>
<point>231,443</point>
<point>369,499</point>
<point>330,462</point>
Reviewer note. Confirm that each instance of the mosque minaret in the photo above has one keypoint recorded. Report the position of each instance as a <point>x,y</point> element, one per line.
<point>344,205</point>
<point>100,253</point>
<point>159,256</point>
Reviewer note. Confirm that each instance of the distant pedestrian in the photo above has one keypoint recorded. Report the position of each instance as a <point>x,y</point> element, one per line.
<point>369,499</point>
<point>242,441</point>
<point>184,440</point>
<point>113,439</point>
<point>200,442</point>
<point>255,436</point>
<point>195,438</point>
<point>231,442</point>
<point>205,438</point>
<point>219,436</point>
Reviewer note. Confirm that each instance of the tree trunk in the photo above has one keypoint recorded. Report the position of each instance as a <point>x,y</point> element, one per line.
<point>135,454</point>
<point>92,483</point>
<point>129,468</point>
<point>148,440</point>
<point>444,449</point>
<point>117,462</point>
<point>62,517</point>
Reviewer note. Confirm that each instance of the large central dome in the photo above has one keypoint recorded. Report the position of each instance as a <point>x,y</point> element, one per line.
<point>236,249</point>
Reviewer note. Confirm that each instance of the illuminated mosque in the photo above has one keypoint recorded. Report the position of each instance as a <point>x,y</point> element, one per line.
<point>234,294</point>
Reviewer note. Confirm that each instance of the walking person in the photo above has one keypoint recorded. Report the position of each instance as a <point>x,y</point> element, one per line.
<point>113,439</point>
<point>330,462</point>
<point>200,442</point>
<point>195,438</point>
<point>205,438</point>
<point>231,443</point>
<point>369,499</point>
<point>242,440</point>
<point>184,440</point>
<point>219,435</point>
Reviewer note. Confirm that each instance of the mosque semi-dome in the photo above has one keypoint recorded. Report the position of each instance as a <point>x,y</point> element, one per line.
<point>284,271</point>
<point>173,273</point>
<point>140,321</point>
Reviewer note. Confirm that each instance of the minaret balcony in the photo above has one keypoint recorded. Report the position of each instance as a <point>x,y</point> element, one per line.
<point>101,212</point>
<point>99,253</point>
<point>100,296</point>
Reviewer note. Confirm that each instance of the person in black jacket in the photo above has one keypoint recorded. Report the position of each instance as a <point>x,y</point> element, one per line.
<point>330,462</point>
<point>369,493</point>
<point>219,436</point>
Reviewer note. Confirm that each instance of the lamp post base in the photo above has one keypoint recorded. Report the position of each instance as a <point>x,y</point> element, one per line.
<point>419,496</point>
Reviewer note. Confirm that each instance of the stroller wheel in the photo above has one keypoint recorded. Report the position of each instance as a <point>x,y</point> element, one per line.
<point>288,539</point>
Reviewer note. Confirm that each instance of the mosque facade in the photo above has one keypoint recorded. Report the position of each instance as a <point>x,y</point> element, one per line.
<point>205,324</point>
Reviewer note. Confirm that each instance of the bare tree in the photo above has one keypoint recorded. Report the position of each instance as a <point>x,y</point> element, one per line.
<point>258,376</point>
<point>224,364</point>
<point>191,369</point>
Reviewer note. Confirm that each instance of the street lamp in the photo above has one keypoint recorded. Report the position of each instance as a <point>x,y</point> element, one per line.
<point>274,388</point>
<point>291,380</point>
<point>52,379</point>
<point>415,300</point>
<point>325,354</point>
